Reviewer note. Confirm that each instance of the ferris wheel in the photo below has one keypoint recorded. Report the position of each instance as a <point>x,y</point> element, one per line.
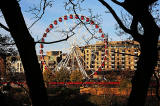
<point>79,31</point>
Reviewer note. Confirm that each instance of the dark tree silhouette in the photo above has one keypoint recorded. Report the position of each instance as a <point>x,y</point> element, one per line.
<point>26,47</point>
<point>139,9</point>
<point>5,50</point>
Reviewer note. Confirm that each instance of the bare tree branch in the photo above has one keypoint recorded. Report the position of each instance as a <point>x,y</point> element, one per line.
<point>4,44</point>
<point>157,87</point>
<point>5,40</point>
<point>4,27</point>
<point>44,7</point>
<point>134,29</point>
<point>117,2</point>
<point>115,16</point>
<point>67,36</point>
<point>38,15</point>
<point>74,9</point>
<point>56,41</point>
<point>79,18</point>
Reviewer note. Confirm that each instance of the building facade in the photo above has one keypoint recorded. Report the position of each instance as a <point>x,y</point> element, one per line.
<point>52,58</point>
<point>120,55</point>
<point>17,66</point>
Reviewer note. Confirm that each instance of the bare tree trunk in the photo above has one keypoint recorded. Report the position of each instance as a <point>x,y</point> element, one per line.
<point>26,48</point>
<point>147,61</point>
<point>139,9</point>
<point>2,69</point>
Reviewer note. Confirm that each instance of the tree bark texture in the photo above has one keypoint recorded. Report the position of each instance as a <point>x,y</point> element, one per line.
<point>139,9</point>
<point>26,47</point>
<point>147,60</point>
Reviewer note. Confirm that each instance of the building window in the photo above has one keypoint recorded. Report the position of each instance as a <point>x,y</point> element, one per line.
<point>123,58</point>
<point>113,58</point>
<point>103,51</point>
<point>17,65</point>
<point>117,58</point>
<point>136,50</point>
<point>123,50</point>
<point>123,55</point>
<point>91,66</point>
<point>92,62</point>
<point>112,50</point>
<point>129,62</point>
<point>21,69</point>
